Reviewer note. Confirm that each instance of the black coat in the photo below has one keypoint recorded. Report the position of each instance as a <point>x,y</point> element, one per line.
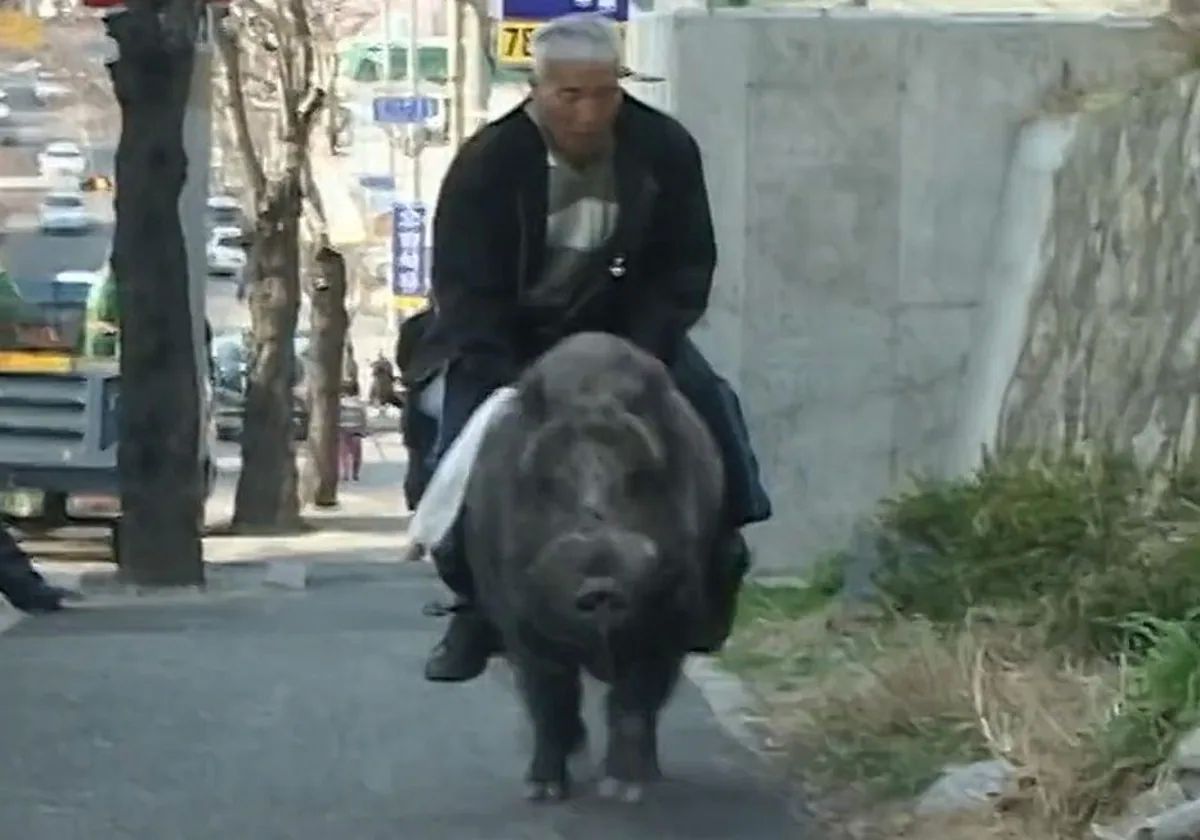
<point>653,277</point>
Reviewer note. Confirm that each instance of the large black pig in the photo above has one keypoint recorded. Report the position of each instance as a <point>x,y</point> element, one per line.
<point>589,520</point>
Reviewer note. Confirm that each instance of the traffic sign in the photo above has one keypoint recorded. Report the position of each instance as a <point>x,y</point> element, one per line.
<point>377,182</point>
<point>410,274</point>
<point>404,109</point>
<point>548,9</point>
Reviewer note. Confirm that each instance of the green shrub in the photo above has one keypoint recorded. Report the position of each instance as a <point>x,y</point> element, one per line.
<point>1070,544</point>
<point>1161,704</point>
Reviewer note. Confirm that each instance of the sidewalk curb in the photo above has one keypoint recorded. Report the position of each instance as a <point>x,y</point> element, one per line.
<point>80,580</point>
<point>732,704</point>
<point>220,578</point>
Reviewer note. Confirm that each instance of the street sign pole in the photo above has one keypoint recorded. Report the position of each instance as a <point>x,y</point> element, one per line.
<point>416,129</point>
<point>389,131</point>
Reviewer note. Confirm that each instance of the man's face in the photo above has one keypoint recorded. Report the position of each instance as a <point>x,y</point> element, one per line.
<point>577,102</point>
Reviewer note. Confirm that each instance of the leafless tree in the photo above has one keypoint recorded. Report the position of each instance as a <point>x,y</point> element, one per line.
<point>270,56</point>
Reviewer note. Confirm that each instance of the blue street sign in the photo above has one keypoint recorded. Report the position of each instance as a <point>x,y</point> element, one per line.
<point>547,9</point>
<point>377,182</point>
<point>404,109</point>
<point>409,270</point>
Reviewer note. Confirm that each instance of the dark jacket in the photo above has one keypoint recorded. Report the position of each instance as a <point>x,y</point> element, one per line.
<point>652,279</point>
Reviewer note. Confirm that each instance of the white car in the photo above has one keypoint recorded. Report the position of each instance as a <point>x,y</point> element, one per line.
<point>224,211</point>
<point>77,276</point>
<point>64,212</point>
<point>47,88</point>
<point>61,158</point>
<point>226,254</point>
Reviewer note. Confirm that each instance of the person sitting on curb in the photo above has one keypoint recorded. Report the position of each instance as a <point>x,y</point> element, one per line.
<point>21,584</point>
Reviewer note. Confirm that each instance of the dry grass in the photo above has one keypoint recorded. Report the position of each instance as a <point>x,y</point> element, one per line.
<point>876,707</point>
<point>1040,613</point>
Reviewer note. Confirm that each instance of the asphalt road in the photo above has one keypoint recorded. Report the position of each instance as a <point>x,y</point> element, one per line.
<point>303,716</point>
<point>89,118</point>
<point>27,253</point>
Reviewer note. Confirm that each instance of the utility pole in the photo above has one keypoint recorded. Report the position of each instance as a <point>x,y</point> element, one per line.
<point>477,79</point>
<point>457,122</point>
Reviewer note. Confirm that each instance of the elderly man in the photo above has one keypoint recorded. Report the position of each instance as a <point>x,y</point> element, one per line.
<point>582,209</point>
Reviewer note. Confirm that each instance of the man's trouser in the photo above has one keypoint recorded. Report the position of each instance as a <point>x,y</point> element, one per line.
<point>711,396</point>
<point>18,579</point>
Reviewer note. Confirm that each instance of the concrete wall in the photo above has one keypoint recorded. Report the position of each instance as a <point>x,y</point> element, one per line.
<point>857,163</point>
<point>1108,345</point>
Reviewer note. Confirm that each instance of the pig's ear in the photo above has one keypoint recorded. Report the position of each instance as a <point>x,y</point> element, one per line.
<point>651,399</point>
<point>532,397</point>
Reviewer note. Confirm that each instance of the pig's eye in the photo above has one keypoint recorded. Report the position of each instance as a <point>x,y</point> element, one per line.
<point>545,486</point>
<point>642,479</point>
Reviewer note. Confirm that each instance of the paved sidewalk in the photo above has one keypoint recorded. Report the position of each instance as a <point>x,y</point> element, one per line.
<point>252,712</point>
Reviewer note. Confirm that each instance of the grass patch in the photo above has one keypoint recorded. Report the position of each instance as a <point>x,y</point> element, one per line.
<point>1042,613</point>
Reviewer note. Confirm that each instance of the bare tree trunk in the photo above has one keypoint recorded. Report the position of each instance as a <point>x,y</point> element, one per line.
<point>158,457</point>
<point>329,325</point>
<point>266,492</point>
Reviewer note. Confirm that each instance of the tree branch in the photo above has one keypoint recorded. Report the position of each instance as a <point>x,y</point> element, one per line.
<point>251,161</point>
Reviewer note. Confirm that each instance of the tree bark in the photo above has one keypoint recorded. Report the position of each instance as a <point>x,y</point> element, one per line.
<point>266,499</point>
<point>159,467</point>
<point>329,325</point>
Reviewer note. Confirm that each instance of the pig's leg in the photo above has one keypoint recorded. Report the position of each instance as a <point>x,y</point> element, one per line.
<point>553,697</point>
<point>634,702</point>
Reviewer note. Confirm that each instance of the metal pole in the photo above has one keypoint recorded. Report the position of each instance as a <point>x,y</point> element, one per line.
<point>193,201</point>
<point>414,83</point>
<point>388,130</point>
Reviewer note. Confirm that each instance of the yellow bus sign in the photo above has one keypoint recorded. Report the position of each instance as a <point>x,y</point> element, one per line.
<point>19,30</point>
<point>514,37</point>
<point>408,304</point>
<point>17,361</point>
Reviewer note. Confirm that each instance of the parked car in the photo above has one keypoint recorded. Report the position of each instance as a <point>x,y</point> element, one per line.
<point>224,211</point>
<point>49,88</point>
<point>64,212</point>
<point>226,251</point>
<point>62,158</point>
<point>230,368</point>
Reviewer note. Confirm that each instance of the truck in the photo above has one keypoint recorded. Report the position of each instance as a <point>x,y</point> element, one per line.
<point>59,398</point>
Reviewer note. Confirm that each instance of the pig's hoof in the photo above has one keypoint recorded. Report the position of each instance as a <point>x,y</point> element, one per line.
<point>628,792</point>
<point>546,791</point>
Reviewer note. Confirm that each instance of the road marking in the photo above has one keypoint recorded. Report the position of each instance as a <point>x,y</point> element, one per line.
<point>24,182</point>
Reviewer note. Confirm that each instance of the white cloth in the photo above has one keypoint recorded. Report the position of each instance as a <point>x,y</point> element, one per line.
<point>439,506</point>
<point>430,401</point>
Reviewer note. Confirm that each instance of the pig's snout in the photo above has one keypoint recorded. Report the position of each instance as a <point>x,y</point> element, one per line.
<point>600,593</point>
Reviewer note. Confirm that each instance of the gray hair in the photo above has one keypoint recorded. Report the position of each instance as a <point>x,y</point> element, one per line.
<point>584,36</point>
